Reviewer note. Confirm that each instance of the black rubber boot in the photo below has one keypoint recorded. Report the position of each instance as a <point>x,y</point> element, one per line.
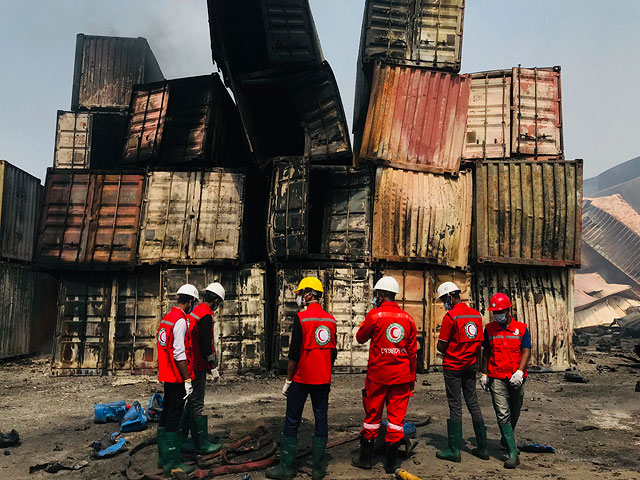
<point>454,434</point>
<point>507,433</point>
<point>364,457</point>
<point>481,441</point>
<point>391,461</point>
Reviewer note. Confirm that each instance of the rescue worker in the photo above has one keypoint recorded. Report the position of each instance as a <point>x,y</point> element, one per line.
<point>460,344</point>
<point>391,372</point>
<point>174,369</point>
<point>506,352</point>
<point>204,360</point>
<point>312,353</point>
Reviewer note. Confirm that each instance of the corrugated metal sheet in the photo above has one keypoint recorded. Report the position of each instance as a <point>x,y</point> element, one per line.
<point>89,218</point>
<point>617,175</point>
<point>240,323</point>
<point>528,212</point>
<point>612,239</point>
<point>20,199</point>
<point>591,288</point>
<point>425,33</point>
<point>629,191</point>
<point>192,217</point>
<point>418,297</point>
<point>185,121</point>
<point>421,217</point>
<point>26,312</point>
<point>106,68</point>
<point>348,289</point>
<point>416,119</point>
<point>89,140</point>
<point>618,208</point>
<point>542,298</point>
<point>603,313</point>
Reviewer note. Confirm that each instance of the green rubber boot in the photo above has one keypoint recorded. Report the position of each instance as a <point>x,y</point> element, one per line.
<point>187,443</point>
<point>319,445</point>
<point>284,470</point>
<point>200,435</point>
<point>507,433</point>
<point>169,450</point>
<point>160,430</point>
<point>481,441</point>
<point>454,432</point>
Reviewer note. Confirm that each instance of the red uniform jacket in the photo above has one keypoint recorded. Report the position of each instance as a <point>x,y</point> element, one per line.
<point>167,368</point>
<point>200,363</point>
<point>462,330</point>
<point>318,341</point>
<point>506,348</point>
<point>392,353</point>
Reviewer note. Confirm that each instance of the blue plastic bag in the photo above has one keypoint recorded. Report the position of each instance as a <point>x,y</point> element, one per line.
<point>108,446</point>
<point>134,420</point>
<point>156,404</point>
<point>109,412</point>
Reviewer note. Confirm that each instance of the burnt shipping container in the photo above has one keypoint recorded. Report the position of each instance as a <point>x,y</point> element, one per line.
<point>528,212</point>
<point>27,310</point>
<point>318,211</point>
<point>20,199</point>
<point>107,68</point>
<point>184,122</point>
<point>89,140</point>
<point>89,219</point>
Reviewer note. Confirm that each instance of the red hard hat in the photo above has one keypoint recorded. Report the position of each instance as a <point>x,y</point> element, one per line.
<point>499,302</point>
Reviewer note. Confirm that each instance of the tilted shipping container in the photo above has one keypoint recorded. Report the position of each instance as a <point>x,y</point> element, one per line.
<point>192,217</point>
<point>89,219</point>
<point>416,119</point>
<point>542,298</point>
<point>422,217</point>
<point>20,199</point>
<point>528,212</point>
<point>89,140</point>
<point>106,69</point>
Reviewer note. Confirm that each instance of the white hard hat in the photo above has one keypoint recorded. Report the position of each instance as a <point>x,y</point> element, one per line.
<point>447,288</point>
<point>190,290</point>
<point>388,284</point>
<point>216,288</point>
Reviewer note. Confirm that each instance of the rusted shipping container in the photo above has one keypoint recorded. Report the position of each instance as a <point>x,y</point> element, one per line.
<point>89,219</point>
<point>319,211</point>
<point>192,217</point>
<point>295,115</point>
<point>106,68</point>
<point>20,199</point>
<point>418,297</point>
<point>27,313</point>
<point>263,36</point>
<point>89,139</point>
<point>422,217</point>
<point>515,113</point>
<point>240,322</point>
<point>187,121</point>
<point>610,237</point>
<point>542,298</point>
<point>528,212</point>
<point>348,289</point>
<point>416,119</point>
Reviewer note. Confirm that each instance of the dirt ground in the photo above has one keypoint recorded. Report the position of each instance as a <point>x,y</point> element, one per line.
<point>54,419</point>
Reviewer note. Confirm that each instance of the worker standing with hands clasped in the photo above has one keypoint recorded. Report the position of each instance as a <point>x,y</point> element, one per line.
<point>506,352</point>
<point>175,370</point>
<point>312,352</point>
<point>391,372</point>
<point>460,343</point>
<point>204,360</point>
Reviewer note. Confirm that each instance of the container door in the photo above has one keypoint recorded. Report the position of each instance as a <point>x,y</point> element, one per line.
<point>388,29</point>
<point>73,140</point>
<point>288,212</point>
<point>437,36</point>
<point>146,124</point>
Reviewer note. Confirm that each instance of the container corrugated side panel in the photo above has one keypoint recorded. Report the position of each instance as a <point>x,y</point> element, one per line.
<point>543,299</point>
<point>20,197</point>
<point>422,217</point>
<point>73,140</point>
<point>146,123</point>
<point>192,217</point>
<point>416,119</point>
<point>348,289</point>
<point>44,316</point>
<point>16,296</point>
<point>528,212</point>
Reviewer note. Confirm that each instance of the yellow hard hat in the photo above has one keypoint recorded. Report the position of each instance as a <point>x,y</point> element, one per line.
<point>310,282</point>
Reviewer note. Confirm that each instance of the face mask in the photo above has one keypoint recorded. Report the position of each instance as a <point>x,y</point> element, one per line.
<point>448,304</point>
<point>500,317</point>
<point>375,302</point>
<point>189,309</point>
<point>300,301</point>
<point>215,309</point>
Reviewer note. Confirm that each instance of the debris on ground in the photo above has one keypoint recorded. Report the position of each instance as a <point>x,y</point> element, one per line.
<point>154,410</point>
<point>109,412</point>
<point>10,439</point>
<point>402,474</point>
<point>605,368</point>
<point>574,378</point>
<point>55,467</point>
<point>135,420</point>
<point>533,447</point>
<point>638,386</point>
<point>109,446</point>
<point>586,428</point>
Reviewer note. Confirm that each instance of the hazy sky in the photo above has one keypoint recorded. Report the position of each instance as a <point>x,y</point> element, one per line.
<point>595,42</point>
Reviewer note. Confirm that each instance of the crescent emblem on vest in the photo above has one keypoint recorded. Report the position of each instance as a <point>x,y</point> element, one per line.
<point>395,332</point>
<point>162,337</point>
<point>322,335</point>
<point>517,332</point>
<point>471,330</point>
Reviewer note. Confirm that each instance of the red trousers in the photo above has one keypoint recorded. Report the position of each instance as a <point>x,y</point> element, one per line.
<point>374,398</point>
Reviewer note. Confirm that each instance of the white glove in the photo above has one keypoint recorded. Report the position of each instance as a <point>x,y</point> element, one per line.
<point>188,388</point>
<point>484,382</point>
<point>215,374</point>
<point>517,378</point>
<point>285,389</point>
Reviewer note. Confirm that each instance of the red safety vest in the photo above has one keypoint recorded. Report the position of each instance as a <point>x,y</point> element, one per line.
<point>200,363</point>
<point>464,337</point>
<point>506,350</point>
<point>167,368</point>
<point>318,341</point>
